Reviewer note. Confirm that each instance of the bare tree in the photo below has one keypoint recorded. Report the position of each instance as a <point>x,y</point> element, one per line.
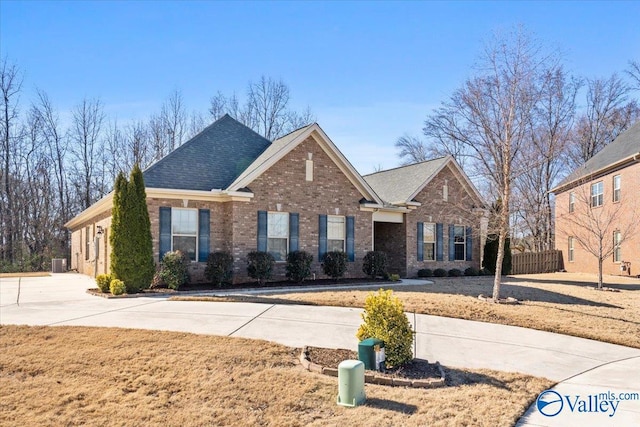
<point>593,223</point>
<point>10,87</point>
<point>608,113</point>
<point>490,117</point>
<point>85,134</point>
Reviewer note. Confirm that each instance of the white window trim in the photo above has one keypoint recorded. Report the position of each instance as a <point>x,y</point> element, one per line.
<point>186,235</point>
<point>269,236</point>
<point>599,197</point>
<point>425,242</point>
<point>618,189</point>
<point>344,231</point>
<point>463,243</point>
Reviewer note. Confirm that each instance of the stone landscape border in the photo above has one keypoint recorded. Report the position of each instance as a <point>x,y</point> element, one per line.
<point>373,378</point>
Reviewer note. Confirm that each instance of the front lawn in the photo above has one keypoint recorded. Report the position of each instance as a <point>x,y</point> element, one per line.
<point>557,302</point>
<point>108,376</point>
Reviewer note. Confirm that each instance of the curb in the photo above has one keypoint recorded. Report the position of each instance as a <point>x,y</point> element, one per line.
<point>371,378</point>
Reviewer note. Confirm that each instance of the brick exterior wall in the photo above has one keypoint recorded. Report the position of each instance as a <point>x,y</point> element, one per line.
<point>458,210</point>
<point>627,212</point>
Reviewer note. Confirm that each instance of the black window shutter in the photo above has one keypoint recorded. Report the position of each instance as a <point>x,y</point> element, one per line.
<point>439,242</point>
<point>322,236</point>
<point>452,245</point>
<point>204,231</point>
<point>294,225</point>
<point>420,241</point>
<point>165,231</point>
<point>469,242</point>
<point>262,231</point>
<point>351,246</point>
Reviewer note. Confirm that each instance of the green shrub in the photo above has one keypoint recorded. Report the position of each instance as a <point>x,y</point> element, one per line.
<point>173,269</point>
<point>440,272</point>
<point>219,270</point>
<point>117,287</point>
<point>260,266</point>
<point>374,264</point>
<point>425,272</point>
<point>334,264</point>
<point>299,265</point>
<point>491,255</point>
<point>454,272</point>
<point>471,271</point>
<point>384,319</point>
<point>103,281</point>
<point>394,277</point>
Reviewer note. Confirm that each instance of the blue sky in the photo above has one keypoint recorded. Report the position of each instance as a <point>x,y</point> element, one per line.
<point>370,71</point>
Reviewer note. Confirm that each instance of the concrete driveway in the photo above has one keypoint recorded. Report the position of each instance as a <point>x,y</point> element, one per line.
<point>583,368</point>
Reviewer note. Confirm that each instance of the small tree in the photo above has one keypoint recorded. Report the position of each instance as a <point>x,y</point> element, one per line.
<point>334,264</point>
<point>374,264</point>
<point>260,266</point>
<point>299,265</point>
<point>384,319</point>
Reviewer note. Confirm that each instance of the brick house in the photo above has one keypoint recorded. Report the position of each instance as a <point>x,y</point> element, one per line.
<point>601,198</point>
<point>230,189</point>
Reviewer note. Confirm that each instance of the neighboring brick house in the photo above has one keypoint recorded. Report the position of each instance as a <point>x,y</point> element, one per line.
<point>602,197</point>
<point>230,189</point>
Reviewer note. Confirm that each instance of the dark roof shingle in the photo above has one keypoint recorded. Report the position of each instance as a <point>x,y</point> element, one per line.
<point>210,160</point>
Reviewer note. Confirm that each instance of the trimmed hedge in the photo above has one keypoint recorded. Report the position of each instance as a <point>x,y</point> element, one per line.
<point>260,266</point>
<point>299,265</point>
<point>219,270</point>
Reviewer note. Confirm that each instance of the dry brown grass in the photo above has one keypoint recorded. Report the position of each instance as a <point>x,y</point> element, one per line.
<point>96,376</point>
<point>558,302</point>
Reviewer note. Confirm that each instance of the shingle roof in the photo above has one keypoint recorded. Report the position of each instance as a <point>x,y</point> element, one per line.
<point>625,145</point>
<point>271,150</point>
<point>399,184</point>
<point>210,160</point>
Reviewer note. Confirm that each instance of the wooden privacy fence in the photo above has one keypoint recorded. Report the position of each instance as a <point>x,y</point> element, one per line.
<point>536,262</point>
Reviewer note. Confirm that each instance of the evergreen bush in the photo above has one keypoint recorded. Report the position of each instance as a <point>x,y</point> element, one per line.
<point>374,264</point>
<point>174,269</point>
<point>384,319</point>
<point>425,272</point>
<point>260,266</point>
<point>454,272</point>
<point>334,264</point>
<point>299,265</point>
<point>491,255</point>
<point>471,271</point>
<point>103,281</point>
<point>219,270</point>
<point>117,287</point>
<point>440,272</point>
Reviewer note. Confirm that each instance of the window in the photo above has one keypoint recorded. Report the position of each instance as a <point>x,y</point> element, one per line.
<point>335,233</point>
<point>572,202</point>
<point>597,194</point>
<point>616,188</point>
<point>459,242</point>
<point>184,231</point>
<point>617,252</point>
<point>278,235</point>
<point>429,241</point>
<point>87,243</point>
<point>570,245</point>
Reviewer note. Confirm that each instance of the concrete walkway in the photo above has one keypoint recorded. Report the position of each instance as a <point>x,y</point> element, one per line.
<point>581,367</point>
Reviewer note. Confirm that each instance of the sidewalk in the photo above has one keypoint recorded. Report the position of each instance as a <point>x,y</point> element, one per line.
<point>581,366</point>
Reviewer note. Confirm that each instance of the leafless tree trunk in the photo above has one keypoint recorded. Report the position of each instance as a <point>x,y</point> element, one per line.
<point>490,117</point>
<point>10,86</point>
<point>593,227</point>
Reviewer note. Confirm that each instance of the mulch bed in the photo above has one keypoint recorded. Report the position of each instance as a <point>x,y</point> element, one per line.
<point>417,369</point>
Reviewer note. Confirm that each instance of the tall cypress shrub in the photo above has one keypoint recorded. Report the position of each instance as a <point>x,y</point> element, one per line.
<point>132,251</point>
